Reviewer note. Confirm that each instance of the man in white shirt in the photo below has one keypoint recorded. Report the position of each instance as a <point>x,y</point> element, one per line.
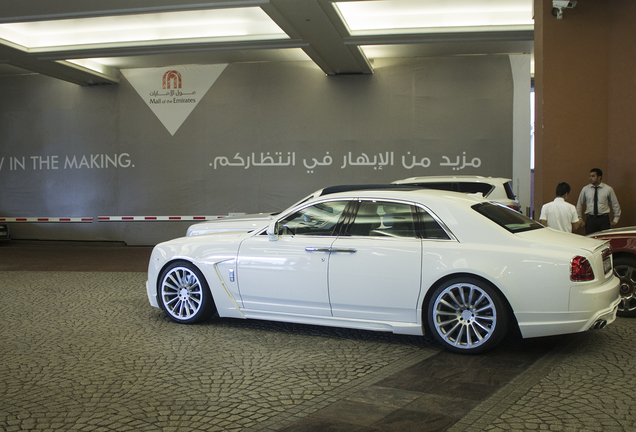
<point>559,214</point>
<point>599,199</point>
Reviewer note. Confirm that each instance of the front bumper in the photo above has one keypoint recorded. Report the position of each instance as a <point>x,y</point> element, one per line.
<point>152,294</point>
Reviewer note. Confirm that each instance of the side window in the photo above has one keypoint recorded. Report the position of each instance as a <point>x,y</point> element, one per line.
<point>384,219</point>
<point>429,227</point>
<point>319,219</point>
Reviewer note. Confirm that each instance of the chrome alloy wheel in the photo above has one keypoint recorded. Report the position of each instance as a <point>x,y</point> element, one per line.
<point>627,275</point>
<point>464,315</point>
<point>181,293</point>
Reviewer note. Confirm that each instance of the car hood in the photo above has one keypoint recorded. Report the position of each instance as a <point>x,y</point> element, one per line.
<point>553,239</point>
<point>243,223</point>
<point>246,217</point>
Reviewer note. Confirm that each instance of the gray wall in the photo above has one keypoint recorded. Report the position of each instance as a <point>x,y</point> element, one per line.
<point>442,109</point>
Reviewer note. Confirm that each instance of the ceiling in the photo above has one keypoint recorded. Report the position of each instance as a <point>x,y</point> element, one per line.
<point>87,42</point>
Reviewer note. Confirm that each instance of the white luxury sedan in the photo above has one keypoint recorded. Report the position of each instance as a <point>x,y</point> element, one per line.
<point>397,259</point>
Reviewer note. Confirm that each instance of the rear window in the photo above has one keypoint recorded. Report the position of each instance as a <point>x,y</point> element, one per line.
<point>506,218</point>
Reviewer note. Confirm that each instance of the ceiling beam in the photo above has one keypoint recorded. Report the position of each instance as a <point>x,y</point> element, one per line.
<point>64,71</point>
<point>322,30</point>
<point>405,38</point>
<point>141,50</point>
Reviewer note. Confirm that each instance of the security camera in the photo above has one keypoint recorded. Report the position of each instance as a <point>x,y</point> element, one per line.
<point>559,5</point>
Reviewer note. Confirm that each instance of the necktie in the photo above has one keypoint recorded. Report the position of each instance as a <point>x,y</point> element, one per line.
<point>595,200</point>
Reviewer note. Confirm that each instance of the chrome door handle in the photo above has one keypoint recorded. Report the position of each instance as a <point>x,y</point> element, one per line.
<point>314,249</point>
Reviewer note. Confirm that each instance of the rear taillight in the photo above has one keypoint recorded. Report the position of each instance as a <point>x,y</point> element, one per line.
<point>581,270</point>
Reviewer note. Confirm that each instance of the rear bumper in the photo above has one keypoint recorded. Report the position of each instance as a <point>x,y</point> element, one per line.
<point>588,305</point>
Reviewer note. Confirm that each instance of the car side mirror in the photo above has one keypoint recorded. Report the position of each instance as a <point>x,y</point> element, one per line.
<point>272,231</point>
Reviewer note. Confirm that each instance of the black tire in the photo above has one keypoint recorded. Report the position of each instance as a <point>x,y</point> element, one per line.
<point>467,316</point>
<point>184,294</point>
<point>625,269</point>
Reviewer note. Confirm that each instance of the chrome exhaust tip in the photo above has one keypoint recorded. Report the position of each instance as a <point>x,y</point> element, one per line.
<point>598,325</point>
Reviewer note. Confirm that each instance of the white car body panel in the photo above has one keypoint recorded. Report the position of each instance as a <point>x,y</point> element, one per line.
<point>384,287</point>
<point>381,281</point>
<point>283,277</point>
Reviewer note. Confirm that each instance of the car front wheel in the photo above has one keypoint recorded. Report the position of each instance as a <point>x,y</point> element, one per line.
<point>625,269</point>
<point>184,294</point>
<point>467,316</point>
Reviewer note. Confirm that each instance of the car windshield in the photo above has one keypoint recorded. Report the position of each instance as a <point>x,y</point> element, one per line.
<point>506,218</point>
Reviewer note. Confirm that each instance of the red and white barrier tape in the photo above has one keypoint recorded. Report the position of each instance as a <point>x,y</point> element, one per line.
<point>46,219</point>
<point>111,219</point>
<point>156,218</point>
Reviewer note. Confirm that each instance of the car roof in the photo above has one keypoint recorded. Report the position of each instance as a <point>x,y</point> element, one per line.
<point>426,179</point>
<point>348,188</point>
<point>404,193</point>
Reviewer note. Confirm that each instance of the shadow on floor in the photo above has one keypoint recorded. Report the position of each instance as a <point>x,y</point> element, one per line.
<point>40,255</point>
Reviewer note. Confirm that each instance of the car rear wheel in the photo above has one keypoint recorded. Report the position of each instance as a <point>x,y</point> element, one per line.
<point>625,269</point>
<point>467,316</point>
<point>184,294</point>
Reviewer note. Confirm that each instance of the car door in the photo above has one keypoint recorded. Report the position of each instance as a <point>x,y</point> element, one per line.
<point>289,275</point>
<point>377,273</point>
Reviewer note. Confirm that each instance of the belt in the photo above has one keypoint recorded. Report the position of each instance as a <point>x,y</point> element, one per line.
<point>599,216</point>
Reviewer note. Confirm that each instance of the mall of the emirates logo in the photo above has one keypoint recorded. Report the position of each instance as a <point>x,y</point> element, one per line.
<point>173,92</point>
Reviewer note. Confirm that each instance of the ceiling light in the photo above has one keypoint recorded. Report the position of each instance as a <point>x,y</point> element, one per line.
<point>422,16</point>
<point>147,29</point>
